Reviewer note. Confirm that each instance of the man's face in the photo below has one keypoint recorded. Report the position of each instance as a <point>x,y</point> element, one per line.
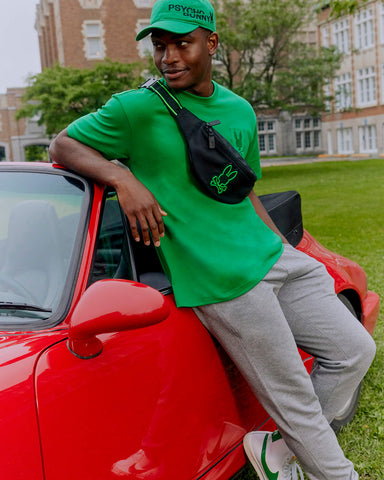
<point>185,60</point>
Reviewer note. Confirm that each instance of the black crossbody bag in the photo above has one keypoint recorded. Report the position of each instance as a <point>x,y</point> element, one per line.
<point>220,170</point>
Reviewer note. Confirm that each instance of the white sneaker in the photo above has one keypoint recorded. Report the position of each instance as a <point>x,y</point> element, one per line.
<point>270,456</point>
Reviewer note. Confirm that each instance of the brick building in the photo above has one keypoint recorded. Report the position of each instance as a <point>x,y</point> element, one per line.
<point>354,122</point>
<point>74,33</point>
<point>78,33</point>
<point>16,135</point>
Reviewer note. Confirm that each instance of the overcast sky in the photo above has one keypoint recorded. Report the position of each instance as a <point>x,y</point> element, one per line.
<point>19,48</point>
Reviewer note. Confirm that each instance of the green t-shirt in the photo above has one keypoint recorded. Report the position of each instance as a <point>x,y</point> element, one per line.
<point>212,251</point>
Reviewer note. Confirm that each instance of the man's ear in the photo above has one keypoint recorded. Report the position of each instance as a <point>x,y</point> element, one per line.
<point>213,43</point>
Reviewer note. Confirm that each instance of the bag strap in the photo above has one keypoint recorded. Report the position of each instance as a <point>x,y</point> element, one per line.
<point>174,106</point>
<point>169,100</point>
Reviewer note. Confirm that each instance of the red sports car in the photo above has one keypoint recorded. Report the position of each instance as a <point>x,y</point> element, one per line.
<point>101,376</point>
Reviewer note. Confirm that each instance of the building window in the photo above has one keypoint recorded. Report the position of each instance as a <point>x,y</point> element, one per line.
<point>367,139</point>
<point>271,143</point>
<point>382,83</point>
<point>262,144</point>
<point>143,3</point>
<point>91,3</point>
<point>299,141</point>
<point>343,91</point>
<point>364,29</point>
<point>267,141</point>
<point>344,140</point>
<point>327,97</point>
<point>307,140</point>
<point>316,138</point>
<point>340,35</point>
<point>308,133</point>
<point>144,46</point>
<point>366,86</point>
<point>381,21</point>
<point>93,34</point>
<point>324,36</point>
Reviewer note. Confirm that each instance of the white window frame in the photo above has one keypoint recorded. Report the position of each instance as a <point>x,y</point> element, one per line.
<point>366,87</point>
<point>343,91</point>
<point>144,46</point>
<point>340,35</point>
<point>325,36</point>
<point>89,37</point>
<point>307,133</point>
<point>267,136</point>
<point>345,140</point>
<point>262,144</point>
<point>91,3</point>
<point>143,3</point>
<point>381,21</point>
<point>364,29</point>
<point>327,93</point>
<point>382,82</point>
<point>299,137</point>
<point>368,139</point>
<point>271,142</point>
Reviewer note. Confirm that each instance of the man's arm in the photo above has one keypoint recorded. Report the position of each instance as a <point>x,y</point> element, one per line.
<point>138,203</point>
<point>264,215</point>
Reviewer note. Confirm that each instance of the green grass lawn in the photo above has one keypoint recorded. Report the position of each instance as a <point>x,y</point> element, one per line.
<point>343,207</point>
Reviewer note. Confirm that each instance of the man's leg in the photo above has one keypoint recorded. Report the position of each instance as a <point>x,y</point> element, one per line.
<point>324,328</point>
<point>254,331</point>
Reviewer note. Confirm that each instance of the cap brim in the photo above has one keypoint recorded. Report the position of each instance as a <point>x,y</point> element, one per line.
<point>168,26</point>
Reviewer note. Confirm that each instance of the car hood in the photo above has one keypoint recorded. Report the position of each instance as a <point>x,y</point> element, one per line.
<point>18,353</point>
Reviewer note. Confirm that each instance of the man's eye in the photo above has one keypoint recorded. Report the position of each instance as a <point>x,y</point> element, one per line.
<point>182,43</point>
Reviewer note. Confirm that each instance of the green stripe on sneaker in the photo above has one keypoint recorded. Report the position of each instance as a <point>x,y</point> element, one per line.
<point>276,435</point>
<point>270,475</point>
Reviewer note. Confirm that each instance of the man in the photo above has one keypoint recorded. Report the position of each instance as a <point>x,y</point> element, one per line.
<point>259,296</point>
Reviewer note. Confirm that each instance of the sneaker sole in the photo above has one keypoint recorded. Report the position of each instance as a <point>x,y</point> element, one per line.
<point>254,461</point>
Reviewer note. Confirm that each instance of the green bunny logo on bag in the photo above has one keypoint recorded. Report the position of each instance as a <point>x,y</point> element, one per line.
<point>221,181</point>
<point>209,152</point>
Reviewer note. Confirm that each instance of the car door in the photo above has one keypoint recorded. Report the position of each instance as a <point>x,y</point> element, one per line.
<point>158,397</point>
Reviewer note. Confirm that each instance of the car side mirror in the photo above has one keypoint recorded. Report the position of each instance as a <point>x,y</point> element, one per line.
<point>112,306</point>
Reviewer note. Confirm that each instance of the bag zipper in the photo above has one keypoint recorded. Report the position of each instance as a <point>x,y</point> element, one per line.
<point>211,137</point>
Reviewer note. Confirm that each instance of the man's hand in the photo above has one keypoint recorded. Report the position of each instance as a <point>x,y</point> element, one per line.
<point>140,206</point>
<point>138,203</point>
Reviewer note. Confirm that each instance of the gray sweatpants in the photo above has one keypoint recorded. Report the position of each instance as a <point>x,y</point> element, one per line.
<point>295,305</point>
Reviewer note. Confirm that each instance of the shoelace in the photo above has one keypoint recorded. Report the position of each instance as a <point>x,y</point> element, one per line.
<point>292,471</point>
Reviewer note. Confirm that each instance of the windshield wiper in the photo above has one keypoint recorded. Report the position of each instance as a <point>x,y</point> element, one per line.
<point>23,306</point>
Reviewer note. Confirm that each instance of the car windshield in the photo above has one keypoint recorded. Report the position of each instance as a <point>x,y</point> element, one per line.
<point>39,220</point>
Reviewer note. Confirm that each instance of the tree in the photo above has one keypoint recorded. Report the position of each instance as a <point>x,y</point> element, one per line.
<point>36,153</point>
<point>60,95</point>
<point>264,56</point>
<point>342,7</point>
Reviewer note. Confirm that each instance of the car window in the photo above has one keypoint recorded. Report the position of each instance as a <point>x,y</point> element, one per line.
<point>118,255</point>
<point>112,258</point>
<point>39,220</point>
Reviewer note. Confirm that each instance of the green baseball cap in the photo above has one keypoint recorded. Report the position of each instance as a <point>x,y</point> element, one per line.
<point>180,16</point>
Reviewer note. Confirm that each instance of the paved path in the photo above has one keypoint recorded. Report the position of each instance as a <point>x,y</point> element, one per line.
<point>269,162</point>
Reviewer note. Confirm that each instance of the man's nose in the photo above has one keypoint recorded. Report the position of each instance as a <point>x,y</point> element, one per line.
<point>170,55</point>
